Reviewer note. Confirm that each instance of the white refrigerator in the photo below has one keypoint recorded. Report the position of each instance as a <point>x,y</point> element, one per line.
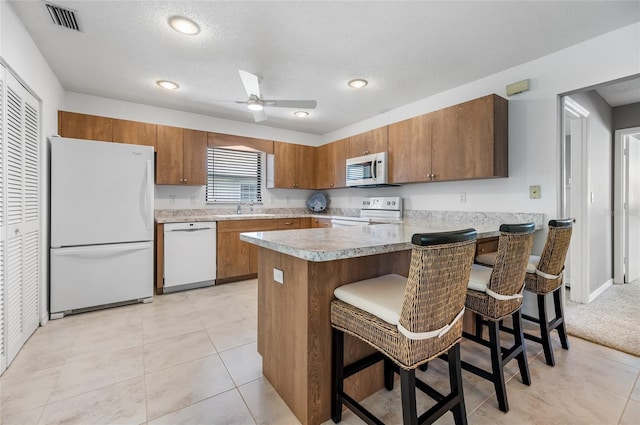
<point>101,224</point>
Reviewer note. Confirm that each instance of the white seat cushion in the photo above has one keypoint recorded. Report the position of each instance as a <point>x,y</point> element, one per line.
<point>479,278</point>
<point>490,259</point>
<point>381,296</point>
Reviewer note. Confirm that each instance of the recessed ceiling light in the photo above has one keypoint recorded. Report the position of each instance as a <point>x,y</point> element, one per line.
<point>358,83</point>
<point>169,85</point>
<point>301,114</point>
<point>184,25</point>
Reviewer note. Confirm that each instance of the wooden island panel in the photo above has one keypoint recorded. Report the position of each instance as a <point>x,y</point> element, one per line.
<point>294,327</point>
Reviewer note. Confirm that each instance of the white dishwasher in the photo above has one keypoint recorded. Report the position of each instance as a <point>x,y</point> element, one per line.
<point>189,255</point>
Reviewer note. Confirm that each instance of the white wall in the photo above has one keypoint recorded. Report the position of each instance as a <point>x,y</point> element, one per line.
<point>19,53</point>
<point>534,128</point>
<point>533,131</point>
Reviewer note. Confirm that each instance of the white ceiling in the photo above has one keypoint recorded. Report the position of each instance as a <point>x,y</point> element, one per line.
<point>306,50</point>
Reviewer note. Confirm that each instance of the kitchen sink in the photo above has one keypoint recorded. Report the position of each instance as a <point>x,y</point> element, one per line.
<point>248,215</point>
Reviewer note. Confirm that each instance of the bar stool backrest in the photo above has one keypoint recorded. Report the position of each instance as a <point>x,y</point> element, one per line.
<point>438,276</point>
<point>554,254</point>
<point>555,248</point>
<point>514,249</point>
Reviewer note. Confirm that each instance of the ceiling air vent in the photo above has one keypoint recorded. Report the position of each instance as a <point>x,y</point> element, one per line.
<point>63,17</point>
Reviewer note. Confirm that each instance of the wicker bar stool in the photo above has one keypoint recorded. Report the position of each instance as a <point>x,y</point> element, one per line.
<point>496,293</point>
<point>409,321</point>
<point>544,276</point>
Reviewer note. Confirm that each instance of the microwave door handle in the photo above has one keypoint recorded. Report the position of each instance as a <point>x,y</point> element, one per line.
<point>375,169</point>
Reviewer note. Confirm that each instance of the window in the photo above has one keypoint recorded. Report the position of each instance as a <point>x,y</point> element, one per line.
<point>234,175</point>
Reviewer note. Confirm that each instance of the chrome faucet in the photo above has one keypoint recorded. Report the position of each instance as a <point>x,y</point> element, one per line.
<point>239,209</point>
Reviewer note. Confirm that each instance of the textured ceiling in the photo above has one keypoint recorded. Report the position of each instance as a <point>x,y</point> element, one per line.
<point>305,50</point>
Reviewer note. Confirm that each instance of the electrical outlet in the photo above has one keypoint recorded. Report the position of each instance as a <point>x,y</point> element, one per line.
<point>193,199</point>
<point>534,192</point>
<point>172,199</point>
<point>278,275</point>
<point>463,198</point>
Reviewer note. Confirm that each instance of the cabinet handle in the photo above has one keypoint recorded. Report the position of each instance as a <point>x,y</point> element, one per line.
<point>185,180</point>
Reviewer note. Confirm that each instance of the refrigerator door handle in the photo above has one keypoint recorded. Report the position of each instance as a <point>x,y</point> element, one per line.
<point>101,251</point>
<point>147,196</point>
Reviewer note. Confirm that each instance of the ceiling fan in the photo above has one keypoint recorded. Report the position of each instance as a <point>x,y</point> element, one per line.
<point>256,103</point>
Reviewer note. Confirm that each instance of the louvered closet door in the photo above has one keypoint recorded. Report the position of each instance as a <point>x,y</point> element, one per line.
<point>3,350</point>
<point>22,215</point>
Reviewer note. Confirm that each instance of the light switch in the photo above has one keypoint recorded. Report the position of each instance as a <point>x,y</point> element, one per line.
<point>534,192</point>
<point>278,275</point>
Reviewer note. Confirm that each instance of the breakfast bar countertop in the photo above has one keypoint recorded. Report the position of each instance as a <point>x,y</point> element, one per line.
<point>327,244</point>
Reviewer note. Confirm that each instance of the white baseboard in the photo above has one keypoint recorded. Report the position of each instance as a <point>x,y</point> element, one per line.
<point>595,294</point>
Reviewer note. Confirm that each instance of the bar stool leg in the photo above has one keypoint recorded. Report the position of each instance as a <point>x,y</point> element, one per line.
<point>544,330</point>
<point>388,374</point>
<point>496,365</point>
<point>337,364</point>
<point>518,337</point>
<point>408,389</point>
<point>455,380</point>
<point>478,320</point>
<point>562,332</point>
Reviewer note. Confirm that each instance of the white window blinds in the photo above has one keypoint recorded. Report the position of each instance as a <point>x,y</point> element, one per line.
<point>234,175</point>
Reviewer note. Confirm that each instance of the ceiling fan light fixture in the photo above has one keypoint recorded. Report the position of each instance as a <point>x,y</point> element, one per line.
<point>166,84</point>
<point>358,83</point>
<point>301,114</point>
<point>255,106</point>
<point>184,25</point>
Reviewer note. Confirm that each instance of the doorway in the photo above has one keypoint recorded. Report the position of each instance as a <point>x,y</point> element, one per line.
<point>627,206</point>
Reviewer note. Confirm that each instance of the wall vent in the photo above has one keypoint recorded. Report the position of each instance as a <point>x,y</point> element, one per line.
<point>63,17</point>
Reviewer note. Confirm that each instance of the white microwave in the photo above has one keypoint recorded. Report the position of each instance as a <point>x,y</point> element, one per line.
<point>368,170</point>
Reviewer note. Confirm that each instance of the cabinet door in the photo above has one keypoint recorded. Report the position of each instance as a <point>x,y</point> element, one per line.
<point>370,142</point>
<point>463,141</point>
<point>340,155</point>
<point>410,150</point>
<point>81,126</point>
<point>233,255</point>
<point>135,133</point>
<point>305,165</point>
<point>169,157</point>
<point>284,173</point>
<point>195,157</point>
<point>325,171</point>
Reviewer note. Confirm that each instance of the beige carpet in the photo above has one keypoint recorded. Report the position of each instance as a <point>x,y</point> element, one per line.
<point>612,319</point>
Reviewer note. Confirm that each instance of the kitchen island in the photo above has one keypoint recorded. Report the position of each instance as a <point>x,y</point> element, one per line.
<point>298,271</point>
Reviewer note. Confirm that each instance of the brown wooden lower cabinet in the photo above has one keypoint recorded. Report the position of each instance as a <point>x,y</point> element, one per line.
<point>238,260</point>
<point>320,222</point>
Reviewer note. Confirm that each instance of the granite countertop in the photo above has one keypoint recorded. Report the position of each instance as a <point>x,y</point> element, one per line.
<point>187,215</point>
<point>231,217</point>
<point>327,244</point>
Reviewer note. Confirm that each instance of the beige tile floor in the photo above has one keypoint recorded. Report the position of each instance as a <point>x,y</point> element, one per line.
<point>190,358</point>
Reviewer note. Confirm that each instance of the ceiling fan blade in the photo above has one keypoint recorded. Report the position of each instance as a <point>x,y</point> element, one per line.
<point>302,104</point>
<point>259,116</point>
<point>251,83</point>
<point>210,100</point>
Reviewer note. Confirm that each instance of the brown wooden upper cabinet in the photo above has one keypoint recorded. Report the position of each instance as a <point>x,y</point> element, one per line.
<point>410,150</point>
<point>331,162</point>
<point>367,143</point>
<point>294,166</point>
<point>91,127</point>
<point>465,141</point>
<point>134,132</point>
<point>82,126</point>
<point>470,140</point>
<point>181,156</point>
